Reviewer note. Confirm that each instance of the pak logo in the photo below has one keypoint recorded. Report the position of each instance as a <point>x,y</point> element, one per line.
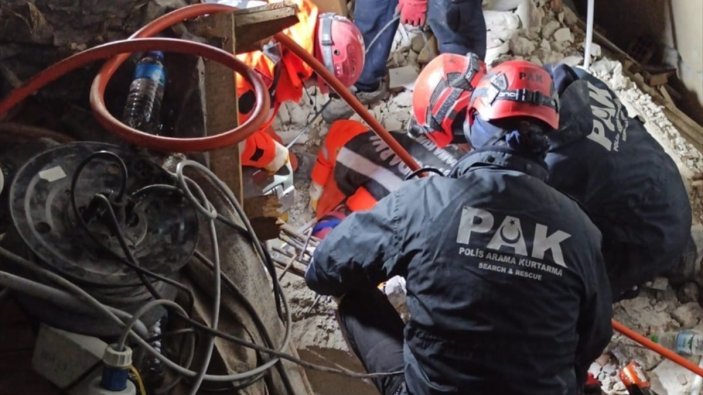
<point>510,234</point>
<point>609,118</point>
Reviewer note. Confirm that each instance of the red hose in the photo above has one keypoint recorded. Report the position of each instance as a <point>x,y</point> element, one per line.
<point>161,143</point>
<point>331,80</point>
<point>192,11</point>
<point>658,348</point>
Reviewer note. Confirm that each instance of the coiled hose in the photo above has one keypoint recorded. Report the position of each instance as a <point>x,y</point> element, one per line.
<point>260,113</point>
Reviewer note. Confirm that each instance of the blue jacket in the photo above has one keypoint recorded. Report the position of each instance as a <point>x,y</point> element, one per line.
<point>507,290</point>
<point>622,177</point>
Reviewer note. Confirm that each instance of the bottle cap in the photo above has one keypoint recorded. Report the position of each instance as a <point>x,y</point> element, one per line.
<point>155,54</point>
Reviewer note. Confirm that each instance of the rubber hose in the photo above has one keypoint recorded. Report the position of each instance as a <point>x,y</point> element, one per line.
<point>192,11</point>
<point>342,91</point>
<point>658,348</point>
<point>159,143</point>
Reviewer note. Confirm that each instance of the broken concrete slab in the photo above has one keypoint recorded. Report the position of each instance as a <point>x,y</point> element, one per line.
<point>549,29</point>
<point>688,315</point>
<point>563,34</point>
<point>669,378</point>
<point>402,78</point>
<point>521,46</point>
<point>501,20</point>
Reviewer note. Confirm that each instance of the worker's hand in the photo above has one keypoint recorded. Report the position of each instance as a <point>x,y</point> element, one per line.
<point>454,13</point>
<point>412,12</point>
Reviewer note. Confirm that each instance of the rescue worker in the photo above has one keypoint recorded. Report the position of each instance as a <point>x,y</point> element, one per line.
<point>332,39</point>
<point>641,206</point>
<point>507,290</point>
<point>357,168</point>
<point>342,170</point>
<point>622,177</point>
<point>459,26</point>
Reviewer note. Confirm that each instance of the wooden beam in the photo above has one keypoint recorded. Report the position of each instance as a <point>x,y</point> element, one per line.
<point>253,25</point>
<point>221,112</point>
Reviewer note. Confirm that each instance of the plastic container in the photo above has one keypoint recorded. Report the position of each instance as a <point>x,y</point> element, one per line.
<point>143,107</point>
<point>685,342</point>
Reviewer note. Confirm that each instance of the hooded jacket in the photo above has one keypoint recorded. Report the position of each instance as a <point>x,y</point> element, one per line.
<point>622,177</point>
<point>507,291</point>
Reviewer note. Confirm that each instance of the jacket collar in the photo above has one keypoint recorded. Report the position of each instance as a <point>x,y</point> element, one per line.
<point>501,157</point>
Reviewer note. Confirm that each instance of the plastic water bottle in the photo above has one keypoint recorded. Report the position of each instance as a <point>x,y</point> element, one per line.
<point>685,342</point>
<point>143,108</point>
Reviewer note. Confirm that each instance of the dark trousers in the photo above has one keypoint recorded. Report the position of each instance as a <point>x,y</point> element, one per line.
<point>370,16</point>
<point>374,332</point>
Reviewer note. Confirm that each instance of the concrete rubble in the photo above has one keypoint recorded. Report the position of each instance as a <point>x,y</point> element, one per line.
<point>530,30</point>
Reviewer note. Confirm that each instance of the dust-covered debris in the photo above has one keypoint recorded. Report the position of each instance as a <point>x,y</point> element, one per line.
<point>530,30</point>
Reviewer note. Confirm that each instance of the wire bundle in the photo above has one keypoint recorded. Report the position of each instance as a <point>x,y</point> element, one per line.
<point>135,333</point>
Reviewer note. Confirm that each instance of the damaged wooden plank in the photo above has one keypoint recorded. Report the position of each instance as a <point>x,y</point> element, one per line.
<point>253,25</point>
<point>263,213</point>
<point>221,103</point>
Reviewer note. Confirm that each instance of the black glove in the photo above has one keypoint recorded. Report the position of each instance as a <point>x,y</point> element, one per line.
<point>454,14</point>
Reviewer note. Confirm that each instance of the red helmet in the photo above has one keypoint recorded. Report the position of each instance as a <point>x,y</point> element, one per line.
<point>516,88</point>
<point>340,47</point>
<point>442,92</point>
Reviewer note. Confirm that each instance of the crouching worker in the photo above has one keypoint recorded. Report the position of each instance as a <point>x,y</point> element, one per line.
<point>333,39</point>
<point>356,168</point>
<point>507,289</point>
<point>622,177</point>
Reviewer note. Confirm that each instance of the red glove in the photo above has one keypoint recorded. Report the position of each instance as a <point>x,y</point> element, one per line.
<point>412,12</point>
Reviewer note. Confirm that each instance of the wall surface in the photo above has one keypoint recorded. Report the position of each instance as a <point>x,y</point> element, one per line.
<point>676,24</point>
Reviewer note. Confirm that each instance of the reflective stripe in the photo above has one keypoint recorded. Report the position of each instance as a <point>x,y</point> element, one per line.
<point>358,163</point>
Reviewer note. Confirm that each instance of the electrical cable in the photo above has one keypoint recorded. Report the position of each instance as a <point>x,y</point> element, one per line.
<point>130,261</point>
<point>168,362</point>
<point>138,380</point>
<point>122,340</point>
<point>229,196</point>
<point>423,170</point>
<point>215,309</point>
<point>375,38</point>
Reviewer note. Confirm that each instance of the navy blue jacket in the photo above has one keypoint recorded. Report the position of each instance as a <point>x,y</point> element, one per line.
<point>622,177</point>
<point>507,291</point>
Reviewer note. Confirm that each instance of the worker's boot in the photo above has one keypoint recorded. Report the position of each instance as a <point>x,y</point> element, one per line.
<point>339,109</point>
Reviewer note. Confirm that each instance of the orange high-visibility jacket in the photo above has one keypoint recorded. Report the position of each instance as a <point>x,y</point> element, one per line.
<point>294,71</point>
<point>260,148</point>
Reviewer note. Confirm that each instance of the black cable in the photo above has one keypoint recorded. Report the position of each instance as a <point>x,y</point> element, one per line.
<point>141,272</point>
<point>264,256</point>
<point>123,243</point>
<point>249,307</point>
<point>133,263</point>
<point>26,263</point>
<point>423,170</point>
